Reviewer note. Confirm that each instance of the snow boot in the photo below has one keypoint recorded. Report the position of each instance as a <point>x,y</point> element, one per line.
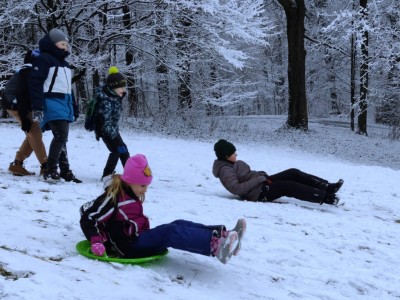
<point>69,176</point>
<point>224,247</point>
<point>17,168</point>
<point>331,199</point>
<point>240,228</point>
<point>334,187</point>
<point>51,174</point>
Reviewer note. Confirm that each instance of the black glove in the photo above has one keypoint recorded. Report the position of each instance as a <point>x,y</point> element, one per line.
<point>26,124</point>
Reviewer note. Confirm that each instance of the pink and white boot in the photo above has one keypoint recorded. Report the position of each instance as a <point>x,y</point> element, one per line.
<point>224,246</point>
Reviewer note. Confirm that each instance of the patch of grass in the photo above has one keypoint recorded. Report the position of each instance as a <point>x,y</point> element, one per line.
<point>7,274</point>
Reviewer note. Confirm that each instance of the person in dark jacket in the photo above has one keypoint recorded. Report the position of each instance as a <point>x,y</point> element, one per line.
<point>237,177</point>
<point>106,117</point>
<point>23,114</point>
<point>53,104</point>
<point>115,222</point>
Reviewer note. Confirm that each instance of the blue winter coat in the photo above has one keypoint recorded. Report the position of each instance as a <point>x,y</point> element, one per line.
<point>51,93</point>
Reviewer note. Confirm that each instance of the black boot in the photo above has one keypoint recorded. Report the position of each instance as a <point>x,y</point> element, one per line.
<point>51,174</point>
<point>331,199</point>
<point>69,176</point>
<point>334,187</point>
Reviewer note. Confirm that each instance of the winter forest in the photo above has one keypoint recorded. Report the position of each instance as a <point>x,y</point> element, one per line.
<point>187,59</point>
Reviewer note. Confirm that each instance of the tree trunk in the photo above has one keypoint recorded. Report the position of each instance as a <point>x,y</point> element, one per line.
<point>132,92</point>
<point>184,93</point>
<point>352,80</point>
<point>164,98</point>
<point>297,114</point>
<point>363,104</point>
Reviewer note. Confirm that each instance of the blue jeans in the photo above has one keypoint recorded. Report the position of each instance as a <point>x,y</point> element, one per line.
<point>179,234</point>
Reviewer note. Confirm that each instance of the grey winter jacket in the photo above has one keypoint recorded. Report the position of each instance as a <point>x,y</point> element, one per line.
<point>238,179</point>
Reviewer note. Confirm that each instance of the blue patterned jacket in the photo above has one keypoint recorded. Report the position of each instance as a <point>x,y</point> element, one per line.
<point>107,113</point>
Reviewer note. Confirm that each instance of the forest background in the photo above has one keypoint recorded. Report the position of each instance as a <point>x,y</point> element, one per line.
<point>187,60</point>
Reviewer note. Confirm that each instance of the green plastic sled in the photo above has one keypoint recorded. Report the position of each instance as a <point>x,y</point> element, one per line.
<point>83,248</point>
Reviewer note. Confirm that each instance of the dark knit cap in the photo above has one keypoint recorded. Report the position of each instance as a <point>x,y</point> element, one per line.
<point>224,149</point>
<point>115,79</point>
<point>56,35</point>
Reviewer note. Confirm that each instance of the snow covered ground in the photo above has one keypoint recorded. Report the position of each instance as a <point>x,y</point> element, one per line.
<point>292,249</point>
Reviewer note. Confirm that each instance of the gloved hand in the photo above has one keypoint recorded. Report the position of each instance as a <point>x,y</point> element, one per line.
<point>37,115</point>
<point>26,125</point>
<point>98,249</point>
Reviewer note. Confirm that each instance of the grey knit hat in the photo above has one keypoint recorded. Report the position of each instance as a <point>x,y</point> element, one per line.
<point>56,35</point>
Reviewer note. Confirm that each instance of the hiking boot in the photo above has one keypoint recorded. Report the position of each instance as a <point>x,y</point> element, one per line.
<point>240,228</point>
<point>43,168</point>
<point>334,187</point>
<point>17,168</point>
<point>225,246</point>
<point>331,199</point>
<point>51,175</point>
<point>69,176</point>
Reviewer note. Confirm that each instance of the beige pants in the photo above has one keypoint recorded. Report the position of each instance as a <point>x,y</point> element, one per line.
<point>32,143</point>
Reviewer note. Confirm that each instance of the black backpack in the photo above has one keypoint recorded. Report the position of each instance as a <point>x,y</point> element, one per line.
<point>10,91</point>
<point>13,84</point>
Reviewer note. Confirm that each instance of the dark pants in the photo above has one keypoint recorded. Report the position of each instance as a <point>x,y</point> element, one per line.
<point>179,234</point>
<point>58,147</point>
<point>296,184</point>
<point>118,150</point>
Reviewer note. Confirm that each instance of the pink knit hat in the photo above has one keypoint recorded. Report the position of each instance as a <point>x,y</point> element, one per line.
<point>137,171</point>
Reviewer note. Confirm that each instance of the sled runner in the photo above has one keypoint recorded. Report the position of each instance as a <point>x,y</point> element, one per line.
<point>83,248</point>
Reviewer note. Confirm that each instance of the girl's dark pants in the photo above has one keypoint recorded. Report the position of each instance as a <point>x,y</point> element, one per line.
<point>297,184</point>
<point>58,146</point>
<point>118,150</point>
<point>180,234</point>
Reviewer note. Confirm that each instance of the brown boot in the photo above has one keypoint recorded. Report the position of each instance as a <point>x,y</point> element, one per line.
<point>17,169</point>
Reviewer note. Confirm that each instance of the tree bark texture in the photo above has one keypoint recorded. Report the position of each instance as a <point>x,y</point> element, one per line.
<point>297,114</point>
<point>363,104</point>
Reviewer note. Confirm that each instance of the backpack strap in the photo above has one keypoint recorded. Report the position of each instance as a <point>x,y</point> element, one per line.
<point>53,79</point>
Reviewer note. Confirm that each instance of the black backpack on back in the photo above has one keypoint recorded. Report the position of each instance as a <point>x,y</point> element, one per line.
<point>10,91</point>
<point>14,84</point>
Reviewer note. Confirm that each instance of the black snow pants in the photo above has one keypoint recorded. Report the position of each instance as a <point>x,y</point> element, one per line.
<point>296,184</point>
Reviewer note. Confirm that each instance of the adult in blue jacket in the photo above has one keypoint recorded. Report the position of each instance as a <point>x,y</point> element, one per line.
<point>53,104</point>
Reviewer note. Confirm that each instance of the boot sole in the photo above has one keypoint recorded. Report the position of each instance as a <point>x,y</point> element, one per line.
<point>240,228</point>
<point>226,252</point>
<point>21,174</point>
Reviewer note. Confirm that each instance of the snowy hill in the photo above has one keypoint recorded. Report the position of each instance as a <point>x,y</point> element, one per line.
<point>292,250</point>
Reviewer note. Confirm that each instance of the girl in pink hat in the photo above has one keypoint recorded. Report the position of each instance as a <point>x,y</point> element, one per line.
<point>114,222</point>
